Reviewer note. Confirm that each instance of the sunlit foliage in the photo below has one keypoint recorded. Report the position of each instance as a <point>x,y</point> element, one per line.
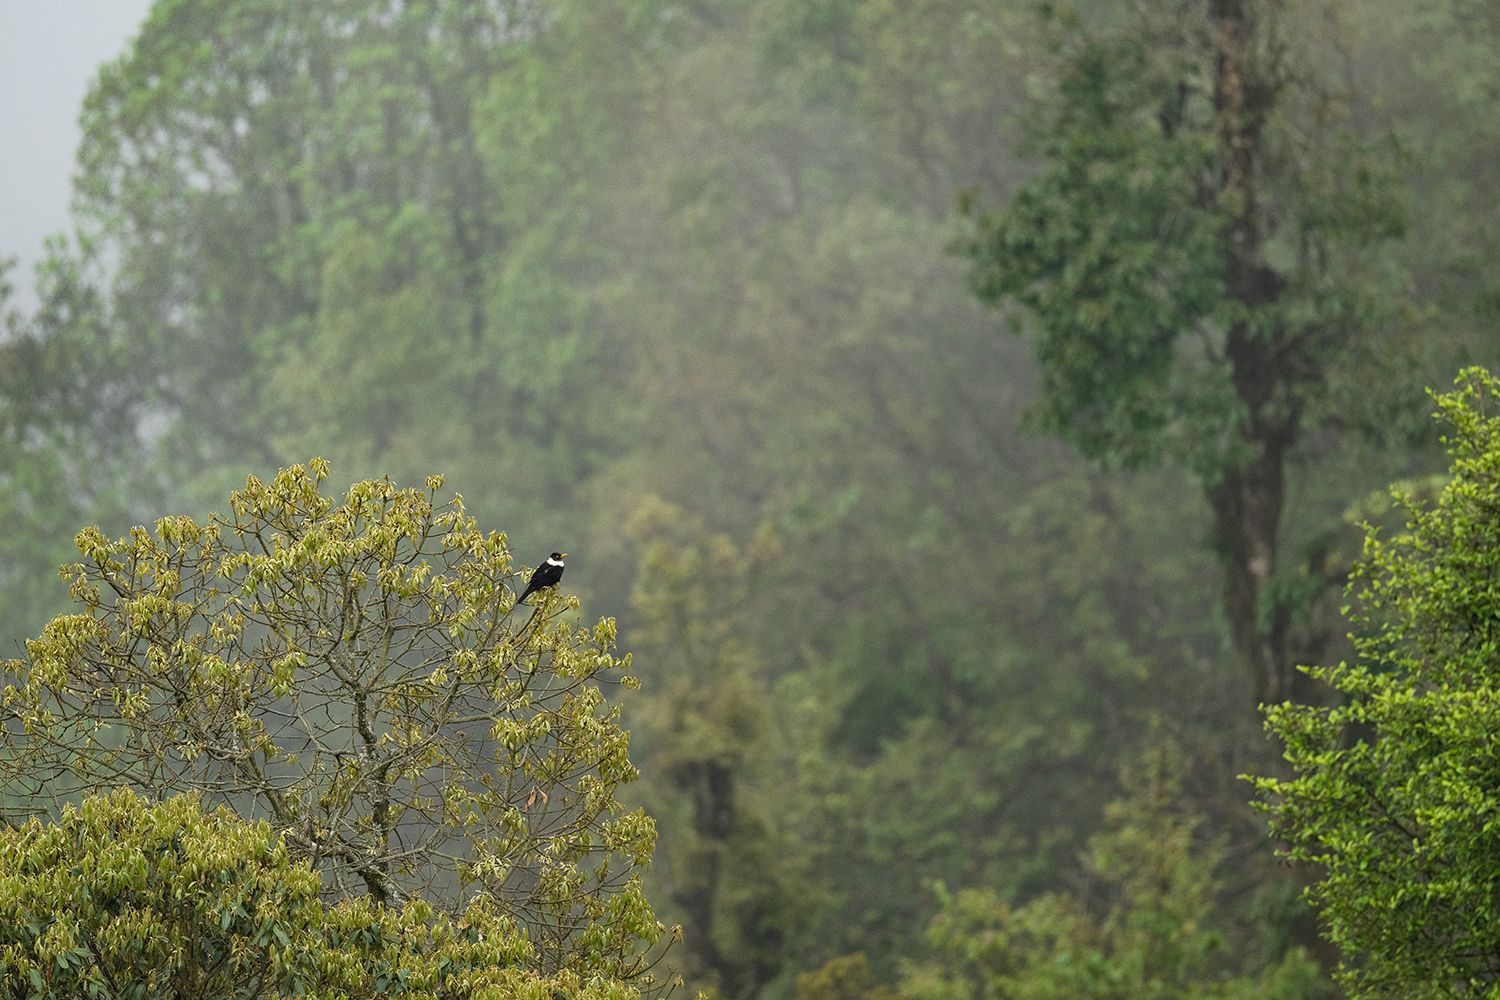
<point>124,898</point>
<point>353,671</point>
<point>1395,791</point>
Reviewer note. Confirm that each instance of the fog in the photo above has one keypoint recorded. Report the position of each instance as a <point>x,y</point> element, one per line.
<point>970,411</point>
<point>50,52</point>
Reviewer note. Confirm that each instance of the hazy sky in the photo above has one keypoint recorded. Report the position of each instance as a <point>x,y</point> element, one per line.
<point>49,53</point>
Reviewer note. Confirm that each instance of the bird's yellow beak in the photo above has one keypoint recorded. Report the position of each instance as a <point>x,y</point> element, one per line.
<point>565,555</point>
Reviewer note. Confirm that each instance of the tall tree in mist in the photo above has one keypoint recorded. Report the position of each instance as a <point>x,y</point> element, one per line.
<point>341,228</point>
<point>1199,264</point>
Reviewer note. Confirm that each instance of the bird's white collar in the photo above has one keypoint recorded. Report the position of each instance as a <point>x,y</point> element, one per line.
<point>554,562</point>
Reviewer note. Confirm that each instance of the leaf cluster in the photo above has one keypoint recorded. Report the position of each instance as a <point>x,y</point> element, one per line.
<point>125,898</point>
<point>352,671</point>
<point>1394,793</point>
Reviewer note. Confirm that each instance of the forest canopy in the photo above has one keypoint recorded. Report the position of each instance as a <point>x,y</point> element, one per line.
<point>966,408</point>
<point>121,897</point>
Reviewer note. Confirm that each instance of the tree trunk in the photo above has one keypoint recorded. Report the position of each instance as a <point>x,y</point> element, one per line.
<point>1249,498</point>
<point>711,786</point>
<point>1247,508</point>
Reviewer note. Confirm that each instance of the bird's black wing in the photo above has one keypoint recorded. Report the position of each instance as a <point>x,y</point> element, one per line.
<point>545,575</point>
<point>531,586</point>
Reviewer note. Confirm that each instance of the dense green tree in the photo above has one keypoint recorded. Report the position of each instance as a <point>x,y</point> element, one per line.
<point>1394,793</point>
<point>124,898</point>
<point>353,672</point>
<point>1198,262</point>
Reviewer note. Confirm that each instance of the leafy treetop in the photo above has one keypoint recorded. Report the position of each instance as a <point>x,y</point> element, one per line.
<point>1394,792</point>
<point>352,672</point>
<point>126,898</point>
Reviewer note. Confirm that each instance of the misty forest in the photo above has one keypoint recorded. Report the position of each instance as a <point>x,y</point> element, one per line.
<point>1028,473</point>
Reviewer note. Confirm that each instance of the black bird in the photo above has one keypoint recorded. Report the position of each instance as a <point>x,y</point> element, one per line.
<point>546,575</point>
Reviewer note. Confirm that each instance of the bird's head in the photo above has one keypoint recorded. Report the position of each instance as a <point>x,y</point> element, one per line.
<point>557,557</point>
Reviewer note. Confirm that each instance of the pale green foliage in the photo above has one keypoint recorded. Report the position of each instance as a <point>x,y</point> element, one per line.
<point>347,227</point>
<point>124,898</point>
<point>351,670</point>
<point>844,978</point>
<point>1395,791</point>
<point>713,743</point>
<point>1143,928</point>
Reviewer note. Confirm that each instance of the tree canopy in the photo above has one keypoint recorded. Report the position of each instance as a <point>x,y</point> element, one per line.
<point>351,671</point>
<point>1393,792</point>
<point>124,898</point>
<point>1198,262</point>
<point>686,288</point>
